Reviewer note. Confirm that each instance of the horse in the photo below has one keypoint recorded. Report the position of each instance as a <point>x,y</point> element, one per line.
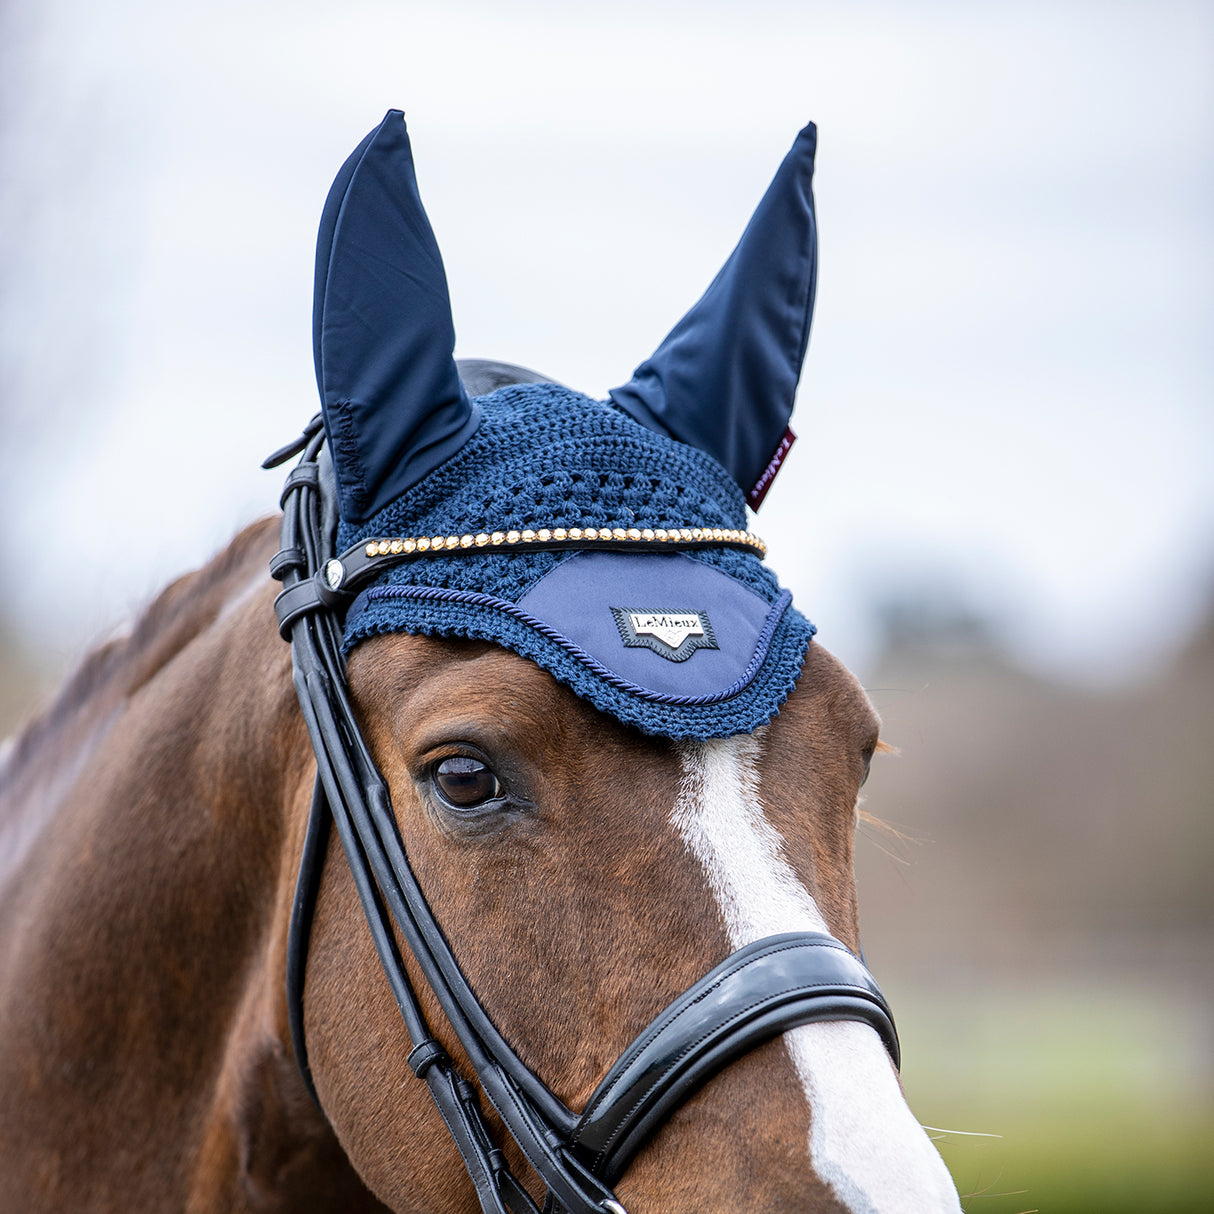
<point>587,867</point>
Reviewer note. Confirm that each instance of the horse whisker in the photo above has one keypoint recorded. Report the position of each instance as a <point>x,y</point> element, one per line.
<point>968,1133</point>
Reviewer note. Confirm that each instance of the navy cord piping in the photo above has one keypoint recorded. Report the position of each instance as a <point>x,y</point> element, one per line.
<point>473,599</point>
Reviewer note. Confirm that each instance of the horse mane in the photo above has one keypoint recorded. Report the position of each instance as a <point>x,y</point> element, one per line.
<point>117,668</point>
<point>187,606</point>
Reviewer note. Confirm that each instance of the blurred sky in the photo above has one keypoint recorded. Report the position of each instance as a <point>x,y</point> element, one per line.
<point>1007,401</point>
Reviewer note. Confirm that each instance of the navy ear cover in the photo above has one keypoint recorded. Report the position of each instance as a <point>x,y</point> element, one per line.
<point>383,337</point>
<point>725,378</point>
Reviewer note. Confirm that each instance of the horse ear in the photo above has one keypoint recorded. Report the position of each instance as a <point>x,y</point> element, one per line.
<point>383,338</point>
<point>725,377</point>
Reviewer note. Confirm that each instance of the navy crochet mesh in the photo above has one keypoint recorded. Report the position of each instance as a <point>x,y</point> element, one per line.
<point>545,456</point>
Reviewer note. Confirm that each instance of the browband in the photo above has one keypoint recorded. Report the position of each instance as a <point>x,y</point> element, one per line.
<point>340,579</point>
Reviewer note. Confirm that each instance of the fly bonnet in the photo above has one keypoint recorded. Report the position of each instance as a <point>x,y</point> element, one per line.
<point>607,541</point>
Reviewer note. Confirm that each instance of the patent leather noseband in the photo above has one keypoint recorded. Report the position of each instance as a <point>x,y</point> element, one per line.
<point>756,994</point>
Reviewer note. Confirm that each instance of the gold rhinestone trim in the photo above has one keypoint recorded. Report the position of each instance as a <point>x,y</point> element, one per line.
<point>539,537</point>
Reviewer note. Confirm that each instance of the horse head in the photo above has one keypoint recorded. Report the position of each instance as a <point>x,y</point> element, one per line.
<point>546,816</point>
<point>595,786</point>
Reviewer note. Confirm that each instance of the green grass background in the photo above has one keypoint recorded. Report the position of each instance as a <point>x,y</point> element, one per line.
<point>1096,1100</point>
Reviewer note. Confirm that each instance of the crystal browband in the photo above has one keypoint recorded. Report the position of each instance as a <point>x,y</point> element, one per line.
<point>357,564</point>
<point>548,536</point>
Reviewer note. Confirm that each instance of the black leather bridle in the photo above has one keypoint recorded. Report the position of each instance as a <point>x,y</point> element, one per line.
<point>754,995</point>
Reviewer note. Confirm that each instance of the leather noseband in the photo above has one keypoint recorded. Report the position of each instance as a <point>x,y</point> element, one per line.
<point>757,993</point>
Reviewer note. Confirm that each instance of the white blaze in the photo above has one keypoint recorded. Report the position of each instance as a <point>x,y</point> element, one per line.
<point>863,1141</point>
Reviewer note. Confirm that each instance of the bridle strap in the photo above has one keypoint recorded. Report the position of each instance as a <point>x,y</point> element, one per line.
<point>355,795</point>
<point>757,993</point>
<point>307,884</point>
<point>754,995</point>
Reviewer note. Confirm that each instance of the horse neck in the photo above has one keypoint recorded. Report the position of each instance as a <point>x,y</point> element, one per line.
<point>146,924</point>
<point>98,720</point>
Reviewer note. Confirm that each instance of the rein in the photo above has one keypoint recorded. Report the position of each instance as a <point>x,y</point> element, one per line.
<point>756,994</point>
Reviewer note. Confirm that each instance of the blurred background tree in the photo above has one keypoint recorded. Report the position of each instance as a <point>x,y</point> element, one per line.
<point>1046,919</point>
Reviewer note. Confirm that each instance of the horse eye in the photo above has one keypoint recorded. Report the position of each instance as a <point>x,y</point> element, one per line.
<point>466,783</point>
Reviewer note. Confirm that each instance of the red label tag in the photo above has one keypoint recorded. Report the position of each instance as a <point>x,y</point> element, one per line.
<point>755,497</point>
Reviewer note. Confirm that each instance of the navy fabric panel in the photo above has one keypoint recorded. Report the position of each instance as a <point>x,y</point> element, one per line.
<point>383,337</point>
<point>576,599</point>
<point>548,457</point>
<point>725,378</point>
<point>324,249</point>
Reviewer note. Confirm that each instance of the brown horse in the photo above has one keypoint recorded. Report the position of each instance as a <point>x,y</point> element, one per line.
<point>152,828</point>
<point>595,755</point>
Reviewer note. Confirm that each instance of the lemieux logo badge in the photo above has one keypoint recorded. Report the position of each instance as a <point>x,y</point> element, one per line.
<point>674,635</point>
